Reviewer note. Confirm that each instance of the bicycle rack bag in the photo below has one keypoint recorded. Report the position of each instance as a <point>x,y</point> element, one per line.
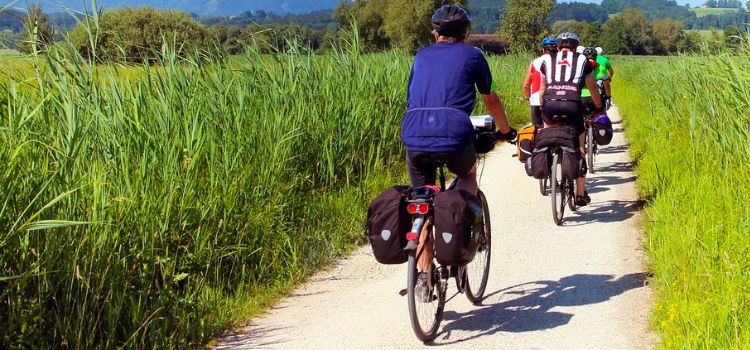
<point>526,142</point>
<point>455,213</point>
<point>603,130</point>
<point>387,224</point>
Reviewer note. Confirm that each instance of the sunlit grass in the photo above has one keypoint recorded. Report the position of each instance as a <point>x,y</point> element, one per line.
<point>688,123</point>
<point>154,206</point>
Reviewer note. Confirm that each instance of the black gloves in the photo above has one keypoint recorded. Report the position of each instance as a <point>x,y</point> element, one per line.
<point>509,136</point>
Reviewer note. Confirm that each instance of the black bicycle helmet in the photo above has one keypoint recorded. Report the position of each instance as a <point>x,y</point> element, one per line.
<point>451,20</point>
<point>590,53</point>
<point>568,40</point>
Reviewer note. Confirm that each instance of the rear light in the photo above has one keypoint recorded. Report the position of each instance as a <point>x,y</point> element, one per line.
<point>414,208</point>
<point>411,208</point>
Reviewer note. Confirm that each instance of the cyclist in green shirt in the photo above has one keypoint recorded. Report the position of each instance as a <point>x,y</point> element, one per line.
<point>600,76</point>
<point>604,68</point>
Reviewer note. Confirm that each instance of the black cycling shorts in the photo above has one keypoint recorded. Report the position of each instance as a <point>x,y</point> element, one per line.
<point>572,110</point>
<point>536,116</point>
<point>422,166</point>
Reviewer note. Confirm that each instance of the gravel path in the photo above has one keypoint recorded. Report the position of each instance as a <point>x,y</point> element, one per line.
<point>580,286</point>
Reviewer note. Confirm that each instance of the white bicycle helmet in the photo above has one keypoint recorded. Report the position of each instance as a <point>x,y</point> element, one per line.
<point>599,50</point>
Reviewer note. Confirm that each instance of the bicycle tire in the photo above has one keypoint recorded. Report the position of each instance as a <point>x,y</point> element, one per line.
<point>544,186</point>
<point>479,268</point>
<point>557,190</point>
<point>431,312</point>
<point>571,195</point>
<point>590,148</point>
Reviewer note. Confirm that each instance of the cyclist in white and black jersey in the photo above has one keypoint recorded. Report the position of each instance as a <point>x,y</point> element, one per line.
<point>563,77</point>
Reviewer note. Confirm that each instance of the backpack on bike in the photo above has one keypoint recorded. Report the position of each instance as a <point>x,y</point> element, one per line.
<point>387,224</point>
<point>603,131</point>
<point>455,214</point>
<point>525,142</point>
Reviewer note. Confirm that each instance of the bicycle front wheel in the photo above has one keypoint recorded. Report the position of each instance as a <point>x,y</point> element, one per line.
<point>558,191</point>
<point>425,313</point>
<point>478,270</point>
<point>590,148</point>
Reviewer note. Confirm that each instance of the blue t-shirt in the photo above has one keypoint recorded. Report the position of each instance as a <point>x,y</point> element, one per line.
<point>442,93</point>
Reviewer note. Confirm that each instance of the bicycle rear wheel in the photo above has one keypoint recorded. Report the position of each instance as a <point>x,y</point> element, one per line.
<point>558,191</point>
<point>590,148</point>
<point>478,270</point>
<point>425,315</point>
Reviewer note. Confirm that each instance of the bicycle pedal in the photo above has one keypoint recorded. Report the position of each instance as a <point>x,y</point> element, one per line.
<point>402,292</point>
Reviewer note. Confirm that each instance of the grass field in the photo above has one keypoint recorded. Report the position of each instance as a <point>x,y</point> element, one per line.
<point>702,12</point>
<point>152,207</point>
<point>689,136</point>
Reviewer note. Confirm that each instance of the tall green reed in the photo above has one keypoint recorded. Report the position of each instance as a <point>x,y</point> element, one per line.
<point>687,120</point>
<point>148,206</point>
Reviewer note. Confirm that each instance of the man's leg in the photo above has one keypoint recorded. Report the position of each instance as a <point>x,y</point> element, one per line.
<point>421,175</point>
<point>607,88</point>
<point>425,260</point>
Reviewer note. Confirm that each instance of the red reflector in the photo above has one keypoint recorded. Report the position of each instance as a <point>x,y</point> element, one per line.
<point>411,208</point>
<point>411,236</point>
<point>423,208</point>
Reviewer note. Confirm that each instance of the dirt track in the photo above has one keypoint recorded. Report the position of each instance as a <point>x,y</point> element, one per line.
<point>580,286</point>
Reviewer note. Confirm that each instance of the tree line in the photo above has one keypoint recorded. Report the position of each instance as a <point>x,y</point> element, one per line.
<point>135,34</point>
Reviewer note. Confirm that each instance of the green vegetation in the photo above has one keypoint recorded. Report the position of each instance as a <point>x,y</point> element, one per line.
<point>703,12</point>
<point>137,34</point>
<point>383,24</point>
<point>154,206</point>
<point>686,118</point>
<point>525,23</point>
<point>140,206</point>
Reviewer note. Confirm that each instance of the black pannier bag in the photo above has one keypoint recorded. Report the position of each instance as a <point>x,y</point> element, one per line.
<point>539,163</point>
<point>387,224</point>
<point>566,138</point>
<point>455,213</point>
<point>573,164</point>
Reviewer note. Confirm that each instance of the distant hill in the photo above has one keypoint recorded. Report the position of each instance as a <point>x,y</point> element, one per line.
<point>203,7</point>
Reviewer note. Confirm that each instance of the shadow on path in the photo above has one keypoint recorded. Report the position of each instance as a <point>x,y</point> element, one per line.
<point>610,211</point>
<point>530,308</point>
<point>254,339</point>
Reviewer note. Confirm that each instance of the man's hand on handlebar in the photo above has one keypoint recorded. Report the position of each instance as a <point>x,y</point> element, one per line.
<point>508,136</point>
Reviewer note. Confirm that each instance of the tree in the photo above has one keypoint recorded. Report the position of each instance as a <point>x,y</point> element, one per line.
<point>628,32</point>
<point>587,32</point>
<point>37,32</point>
<point>524,23</point>
<point>747,4</point>
<point>368,15</point>
<point>386,23</point>
<point>669,35</point>
<point>137,34</point>
<point>733,38</point>
<point>407,24</point>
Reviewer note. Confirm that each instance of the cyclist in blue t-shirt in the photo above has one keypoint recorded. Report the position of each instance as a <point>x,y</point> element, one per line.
<point>442,93</point>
